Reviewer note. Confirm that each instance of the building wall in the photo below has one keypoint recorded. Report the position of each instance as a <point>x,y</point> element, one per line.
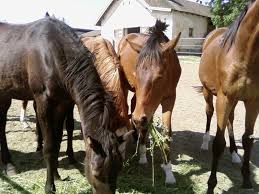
<point>167,18</point>
<point>126,14</point>
<point>182,22</point>
<point>132,13</point>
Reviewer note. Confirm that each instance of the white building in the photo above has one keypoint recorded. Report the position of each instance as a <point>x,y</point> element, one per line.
<point>126,16</point>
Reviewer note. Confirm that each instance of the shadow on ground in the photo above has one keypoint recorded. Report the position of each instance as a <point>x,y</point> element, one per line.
<point>188,161</point>
<point>189,164</point>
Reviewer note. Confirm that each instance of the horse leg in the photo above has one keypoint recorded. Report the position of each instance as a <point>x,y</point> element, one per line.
<point>23,114</point>
<point>5,154</point>
<point>132,107</point>
<point>142,149</point>
<point>247,140</point>
<point>38,132</point>
<point>223,108</point>
<point>51,122</point>
<point>70,129</point>
<point>167,108</point>
<point>233,148</point>
<point>209,112</point>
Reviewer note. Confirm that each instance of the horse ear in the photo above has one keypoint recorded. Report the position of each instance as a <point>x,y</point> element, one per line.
<point>47,14</point>
<point>171,44</point>
<point>122,139</point>
<point>123,134</point>
<point>136,47</point>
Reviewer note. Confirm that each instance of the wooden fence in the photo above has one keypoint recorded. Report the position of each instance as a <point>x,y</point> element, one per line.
<point>190,46</point>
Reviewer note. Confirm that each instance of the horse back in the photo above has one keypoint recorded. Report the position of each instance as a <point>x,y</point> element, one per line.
<point>212,35</point>
<point>26,59</point>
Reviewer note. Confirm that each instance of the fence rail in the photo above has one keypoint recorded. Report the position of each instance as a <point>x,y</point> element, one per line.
<point>190,46</point>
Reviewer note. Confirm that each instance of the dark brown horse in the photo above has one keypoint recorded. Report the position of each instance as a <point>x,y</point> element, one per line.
<point>46,61</point>
<point>235,55</point>
<point>152,70</point>
<point>208,90</point>
<point>107,64</point>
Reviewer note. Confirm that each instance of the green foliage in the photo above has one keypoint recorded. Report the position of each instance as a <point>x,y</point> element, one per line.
<point>224,12</point>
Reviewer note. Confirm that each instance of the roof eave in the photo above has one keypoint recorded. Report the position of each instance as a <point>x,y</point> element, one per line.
<point>99,19</point>
<point>161,9</point>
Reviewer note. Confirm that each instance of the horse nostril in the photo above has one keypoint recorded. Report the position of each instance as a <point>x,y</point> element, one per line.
<point>143,121</point>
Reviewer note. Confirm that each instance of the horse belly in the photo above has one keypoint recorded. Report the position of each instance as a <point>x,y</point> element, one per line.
<point>244,89</point>
<point>14,81</point>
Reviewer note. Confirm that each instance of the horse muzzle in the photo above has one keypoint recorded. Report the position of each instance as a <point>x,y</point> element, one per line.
<point>140,123</point>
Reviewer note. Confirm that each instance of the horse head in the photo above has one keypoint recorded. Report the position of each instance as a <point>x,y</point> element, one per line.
<point>152,72</point>
<point>103,161</point>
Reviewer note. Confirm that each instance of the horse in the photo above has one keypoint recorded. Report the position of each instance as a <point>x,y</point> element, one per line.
<point>45,61</point>
<point>235,55</point>
<point>151,70</point>
<point>107,65</point>
<point>208,90</point>
<point>23,117</point>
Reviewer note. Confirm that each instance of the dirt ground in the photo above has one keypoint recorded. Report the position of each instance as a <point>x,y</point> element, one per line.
<point>190,166</point>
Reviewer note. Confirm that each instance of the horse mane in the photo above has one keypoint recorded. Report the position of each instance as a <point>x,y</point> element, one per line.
<point>82,80</point>
<point>230,34</point>
<point>107,64</point>
<point>152,51</point>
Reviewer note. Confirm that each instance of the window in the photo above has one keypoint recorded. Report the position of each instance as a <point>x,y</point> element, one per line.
<point>133,30</point>
<point>190,32</point>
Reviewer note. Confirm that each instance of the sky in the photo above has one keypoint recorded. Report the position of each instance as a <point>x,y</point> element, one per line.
<point>77,13</point>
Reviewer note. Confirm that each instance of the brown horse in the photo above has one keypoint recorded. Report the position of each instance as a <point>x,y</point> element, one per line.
<point>46,61</point>
<point>235,55</point>
<point>152,70</point>
<point>107,64</point>
<point>208,90</point>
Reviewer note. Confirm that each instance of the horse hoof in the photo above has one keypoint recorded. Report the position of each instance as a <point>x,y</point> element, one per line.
<point>247,185</point>
<point>205,146</point>
<point>57,177</point>
<point>235,158</point>
<point>169,176</point>
<point>10,170</point>
<point>209,191</point>
<point>50,189</point>
<point>170,180</point>
<point>142,160</point>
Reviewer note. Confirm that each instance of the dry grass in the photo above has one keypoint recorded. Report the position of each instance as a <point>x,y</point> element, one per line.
<point>190,166</point>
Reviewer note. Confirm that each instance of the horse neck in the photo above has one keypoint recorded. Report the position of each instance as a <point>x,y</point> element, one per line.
<point>107,66</point>
<point>248,33</point>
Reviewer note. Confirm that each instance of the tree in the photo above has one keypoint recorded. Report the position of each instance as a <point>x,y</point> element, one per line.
<point>224,12</point>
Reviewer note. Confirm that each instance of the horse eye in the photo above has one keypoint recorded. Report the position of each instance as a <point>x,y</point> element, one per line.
<point>158,77</point>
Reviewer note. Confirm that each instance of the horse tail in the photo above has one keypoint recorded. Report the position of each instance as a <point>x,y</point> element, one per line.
<point>198,89</point>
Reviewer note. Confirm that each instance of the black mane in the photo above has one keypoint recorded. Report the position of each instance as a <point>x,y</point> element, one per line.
<point>152,50</point>
<point>230,34</point>
<point>82,79</point>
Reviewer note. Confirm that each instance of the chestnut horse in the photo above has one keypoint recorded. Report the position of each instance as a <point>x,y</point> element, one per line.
<point>46,61</point>
<point>235,55</point>
<point>152,71</point>
<point>208,90</point>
